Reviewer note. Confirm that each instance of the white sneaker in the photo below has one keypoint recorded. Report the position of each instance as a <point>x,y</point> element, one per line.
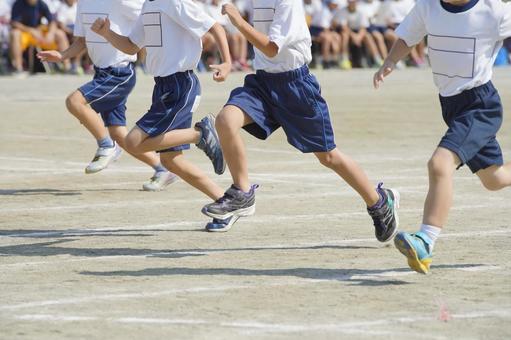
<point>103,158</point>
<point>159,181</point>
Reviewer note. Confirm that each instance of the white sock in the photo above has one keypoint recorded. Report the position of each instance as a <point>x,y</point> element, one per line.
<point>432,232</point>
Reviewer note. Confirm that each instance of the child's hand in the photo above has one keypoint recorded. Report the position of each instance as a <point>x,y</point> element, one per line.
<point>51,56</point>
<point>101,26</point>
<point>234,15</point>
<point>386,69</point>
<point>220,72</point>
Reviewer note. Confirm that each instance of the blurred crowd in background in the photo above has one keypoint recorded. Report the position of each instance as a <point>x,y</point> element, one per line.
<point>346,34</point>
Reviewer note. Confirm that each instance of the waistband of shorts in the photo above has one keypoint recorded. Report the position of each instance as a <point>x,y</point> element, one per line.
<point>172,76</point>
<point>298,73</point>
<point>468,95</point>
<point>121,67</point>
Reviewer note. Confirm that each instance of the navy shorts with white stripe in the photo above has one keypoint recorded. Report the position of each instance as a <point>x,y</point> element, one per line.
<point>108,92</point>
<point>175,97</point>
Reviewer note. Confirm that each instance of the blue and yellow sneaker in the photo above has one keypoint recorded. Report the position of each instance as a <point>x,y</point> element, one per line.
<point>416,247</point>
<point>218,225</point>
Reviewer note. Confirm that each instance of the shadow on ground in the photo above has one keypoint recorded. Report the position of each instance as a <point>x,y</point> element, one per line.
<point>363,277</point>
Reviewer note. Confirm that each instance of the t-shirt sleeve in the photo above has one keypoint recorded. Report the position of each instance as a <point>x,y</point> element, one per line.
<point>45,12</point>
<point>339,17</point>
<point>281,29</point>
<point>16,12</point>
<point>78,30</point>
<point>413,29</point>
<point>505,23</point>
<point>190,16</point>
<point>137,35</point>
<point>131,8</point>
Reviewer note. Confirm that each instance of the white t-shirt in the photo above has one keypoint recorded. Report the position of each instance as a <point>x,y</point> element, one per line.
<point>354,20</point>
<point>284,23</point>
<point>462,46</point>
<point>53,5</point>
<point>395,11</point>
<point>171,30</point>
<point>67,14</point>
<point>321,15</point>
<point>370,9</point>
<point>122,15</point>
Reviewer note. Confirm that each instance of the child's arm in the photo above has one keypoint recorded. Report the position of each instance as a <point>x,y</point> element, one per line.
<point>260,41</point>
<point>398,52</point>
<point>120,42</point>
<point>75,49</point>
<point>222,70</point>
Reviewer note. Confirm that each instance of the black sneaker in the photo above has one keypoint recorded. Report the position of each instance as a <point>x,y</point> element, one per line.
<point>210,144</point>
<point>385,218</point>
<point>234,202</point>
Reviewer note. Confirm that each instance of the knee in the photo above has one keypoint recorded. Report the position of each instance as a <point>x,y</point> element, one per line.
<point>493,185</point>
<point>326,159</point>
<point>73,102</point>
<point>130,144</point>
<point>438,167</point>
<point>225,125</point>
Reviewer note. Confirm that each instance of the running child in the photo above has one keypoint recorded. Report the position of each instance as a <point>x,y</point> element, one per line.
<point>171,31</point>
<point>464,37</point>
<point>284,94</point>
<point>107,93</point>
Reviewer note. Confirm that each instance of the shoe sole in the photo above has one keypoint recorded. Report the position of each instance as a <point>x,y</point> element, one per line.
<point>116,156</point>
<point>407,250</point>
<point>172,181</point>
<point>215,133</point>
<point>395,207</point>
<point>226,228</point>
<point>236,213</point>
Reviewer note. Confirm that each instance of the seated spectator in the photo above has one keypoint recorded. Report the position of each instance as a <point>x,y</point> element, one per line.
<point>29,29</point>
<point>66,16</point>
<point>377,26</point>
<point>393,13</point>
<point>353,24</point>
<point>321,13</point>
<point>53,6</point>
<point>237,41</point>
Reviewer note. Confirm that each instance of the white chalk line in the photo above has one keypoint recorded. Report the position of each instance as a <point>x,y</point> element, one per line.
<point>285,246</point>
<point>345,327</point>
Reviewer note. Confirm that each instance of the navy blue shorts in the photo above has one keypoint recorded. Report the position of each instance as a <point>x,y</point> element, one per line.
<point>376,28</point>
<point>108,92</point>
<point>175,97</point>
<point>474,117</point>
<point>315,31</point>
<point>290,99</point>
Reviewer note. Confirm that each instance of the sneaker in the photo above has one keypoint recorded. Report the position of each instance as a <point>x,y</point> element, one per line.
<point>159,181</point>
<point>221,225</point>
<point>234,202</point>
<point>385,218</point>
<point>417,249</point>
<point>345,64</point>
<point>210,144</point>
<point>103,158</point>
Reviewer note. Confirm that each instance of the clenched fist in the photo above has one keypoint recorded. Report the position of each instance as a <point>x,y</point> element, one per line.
<point>101,26</point>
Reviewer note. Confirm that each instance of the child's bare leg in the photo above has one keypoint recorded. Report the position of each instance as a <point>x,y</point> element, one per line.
<point>496,177</point>
<point>441,168</point>
<point>77,106</point>
<point>138,141</point>
<point>119,133</point>
<point>228,124</point>
<point>380,42</point>
<point>351,172</point>
<point>176,163</point>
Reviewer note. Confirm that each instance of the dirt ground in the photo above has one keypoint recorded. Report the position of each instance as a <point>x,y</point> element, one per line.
<point>93,256</point>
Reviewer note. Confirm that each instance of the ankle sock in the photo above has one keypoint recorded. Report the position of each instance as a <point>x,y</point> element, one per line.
<point>432,232</point>
<point>159,168</point>
<point>105,143</point>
